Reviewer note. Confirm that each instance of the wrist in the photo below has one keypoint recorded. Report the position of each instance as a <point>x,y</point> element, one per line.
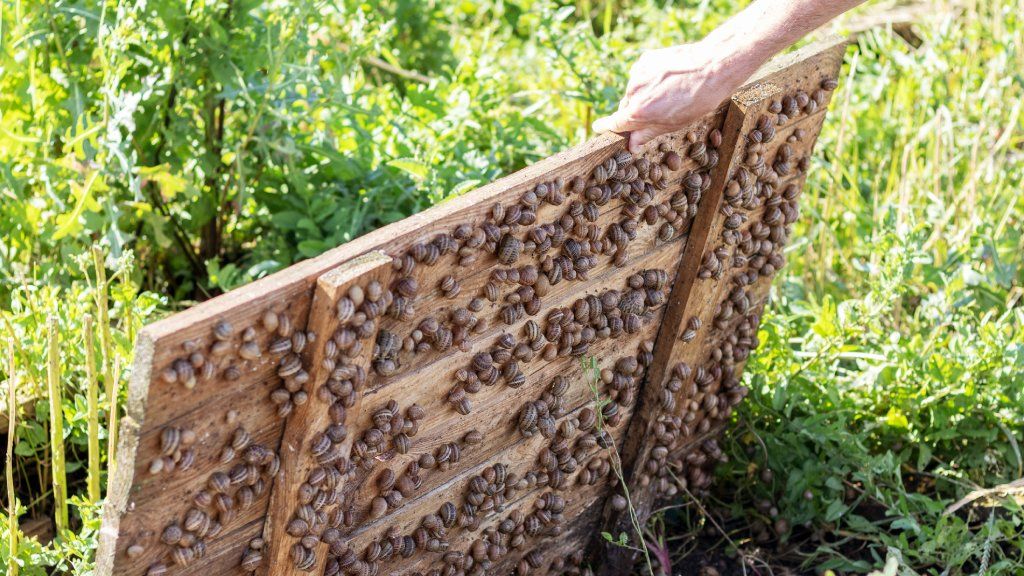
<point>727,63</point>
<point>732,58</point>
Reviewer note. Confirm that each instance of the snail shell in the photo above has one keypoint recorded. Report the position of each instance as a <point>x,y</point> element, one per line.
<point>223,330</point>
<point>672,161</point>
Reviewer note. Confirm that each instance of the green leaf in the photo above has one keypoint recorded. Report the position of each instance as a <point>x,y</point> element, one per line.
<point>69,223</point>
<point>835,510</point>
<point>463,187</point>
<point>169,184</point>
<point>825,326</point>
<point>896,419</point>
<point>416,168</point>
<point>906,523</point>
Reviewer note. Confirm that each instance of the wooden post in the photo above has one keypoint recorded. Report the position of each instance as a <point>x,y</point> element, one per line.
<point>309,421</point>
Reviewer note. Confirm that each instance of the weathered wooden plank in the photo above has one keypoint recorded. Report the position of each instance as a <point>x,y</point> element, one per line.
<point>431,300</point>
<point>156,404</point>
<point>640,437</point>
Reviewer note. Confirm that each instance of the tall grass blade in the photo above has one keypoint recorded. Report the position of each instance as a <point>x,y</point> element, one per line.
<point>12,502</point>
<point>94,415</point>
<point>110,386</point>
<point>60,484</point>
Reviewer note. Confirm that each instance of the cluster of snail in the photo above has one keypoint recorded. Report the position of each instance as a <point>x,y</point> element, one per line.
<point>487,491</point>
<point>392,430</point>
<point>494,543</point>
<point>540,415</point>
<point>227,492</point>
<point>568,331</point>
<point>430,535</point>
<point>176,450</point>
<point>567,248</point>
<point>511,533</point>
<point>692,401</point>
<point>395,489</point>
<point>231,352</point>
<point>623,382</point>
<point>290,369</point>
<point>319,514</point>
<point>756,183</point>
<point>572,442</point>
<point>558,464</point>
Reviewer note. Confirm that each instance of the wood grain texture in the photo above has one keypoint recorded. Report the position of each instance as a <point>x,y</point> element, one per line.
<point>277,384</point>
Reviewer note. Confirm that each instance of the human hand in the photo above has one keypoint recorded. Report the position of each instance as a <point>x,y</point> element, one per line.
<point>670,88</point>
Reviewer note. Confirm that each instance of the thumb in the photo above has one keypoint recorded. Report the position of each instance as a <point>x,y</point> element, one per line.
<point>618,122</point>
<point>638,138</point>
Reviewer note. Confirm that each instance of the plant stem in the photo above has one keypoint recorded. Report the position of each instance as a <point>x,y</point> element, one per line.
<point>616,462</point>
<point>12,502</point>
<point>94,416</point>
<point>60,488</point>
<point>110,386</point>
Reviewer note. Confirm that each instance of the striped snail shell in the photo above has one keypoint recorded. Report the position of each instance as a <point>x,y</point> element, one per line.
<point>170,439</point>
<point>666,232</point>
<point>528,416</point>
<point>223,330</point>
<point>250,351</point>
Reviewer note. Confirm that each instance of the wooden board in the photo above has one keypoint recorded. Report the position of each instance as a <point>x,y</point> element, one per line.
<point>461,390</point>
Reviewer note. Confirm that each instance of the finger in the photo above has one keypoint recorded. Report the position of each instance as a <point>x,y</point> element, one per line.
<point>638,138</point>
<point>618,122</point>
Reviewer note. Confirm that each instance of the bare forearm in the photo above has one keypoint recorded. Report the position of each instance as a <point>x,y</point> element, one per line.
<point>670,87</point>
<point>749,39</point>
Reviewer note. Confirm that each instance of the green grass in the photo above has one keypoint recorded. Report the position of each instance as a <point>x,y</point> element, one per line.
<point>203,149</point>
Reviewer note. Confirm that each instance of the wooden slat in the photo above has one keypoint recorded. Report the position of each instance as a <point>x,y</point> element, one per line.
<point>496,420</point>
<point>311,419</point>
<point>154,405</point>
